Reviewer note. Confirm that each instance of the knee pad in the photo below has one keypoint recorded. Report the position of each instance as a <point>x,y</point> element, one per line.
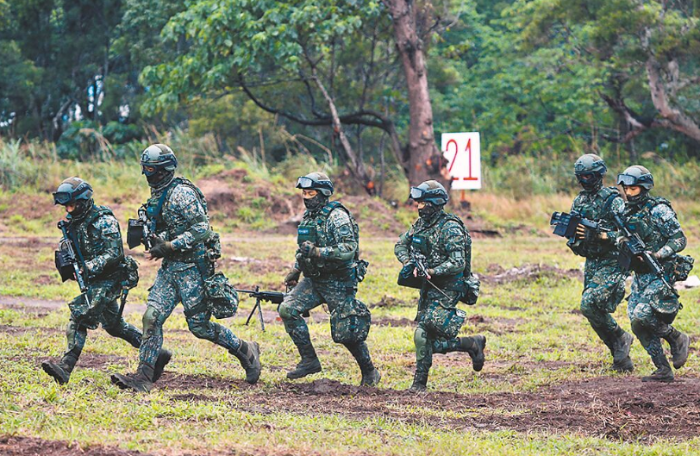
<point>152,322</point>
<point>288,312</point>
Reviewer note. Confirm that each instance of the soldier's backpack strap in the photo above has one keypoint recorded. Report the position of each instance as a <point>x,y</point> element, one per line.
<point>451,217</point>
<point>610,194</point>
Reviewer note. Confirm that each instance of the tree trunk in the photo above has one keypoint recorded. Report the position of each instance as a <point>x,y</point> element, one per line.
<point>422,160</point>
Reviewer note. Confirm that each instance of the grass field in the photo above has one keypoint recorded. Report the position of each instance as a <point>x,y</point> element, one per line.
<point>545,388</point>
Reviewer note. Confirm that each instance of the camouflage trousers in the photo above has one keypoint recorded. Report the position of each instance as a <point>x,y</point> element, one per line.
<point>603,290</point>
<point>180,282</point>
<point>350,319</point>
<point>649,293</point>
<point>103,310</point>
<point>439,322</point>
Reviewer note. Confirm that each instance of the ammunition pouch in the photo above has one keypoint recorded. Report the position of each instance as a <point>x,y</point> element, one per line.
<point>64,265</point>
<point>350,322</point>
<point>134,233</point>
<point>306,233</point>
<point>221,297</point>
<point>666,308</point>
<point>468,287</point>
<point>213,246</point>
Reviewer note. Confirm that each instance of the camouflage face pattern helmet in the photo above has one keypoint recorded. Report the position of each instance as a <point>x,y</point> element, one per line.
<point>636,175</point>
<point>316,181</point>
<point>72,190</point>
<point>157,157</point>
<point>430,191</point>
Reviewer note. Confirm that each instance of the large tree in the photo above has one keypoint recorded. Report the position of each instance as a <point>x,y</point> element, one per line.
<point>316,63</point>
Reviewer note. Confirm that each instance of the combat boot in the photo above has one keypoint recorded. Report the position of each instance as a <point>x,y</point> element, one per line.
<point>249,356</point>
<point>141,381</point>
<point>475,347</point>
<point>162,360</point>
<point>663,372</point>
<point>420,382</point>
<point>308,365</point>
<point>61,371</point>
<point>621,351</point>
<point>371,378</point>
<point>680,343</point>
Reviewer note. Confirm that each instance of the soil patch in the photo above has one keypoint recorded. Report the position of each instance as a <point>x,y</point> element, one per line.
<point>529,273</point>
<point>617,408</point>
<point>31,446</point>
<point>14,330</point>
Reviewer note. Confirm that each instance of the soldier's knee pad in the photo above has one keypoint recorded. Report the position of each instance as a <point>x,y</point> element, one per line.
<point>287,312</point>
<point>420,337</point>
<point>638,325</point>
<point>152,322</point>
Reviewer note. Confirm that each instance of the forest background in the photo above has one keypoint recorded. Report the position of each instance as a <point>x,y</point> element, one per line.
<point>543,81</point>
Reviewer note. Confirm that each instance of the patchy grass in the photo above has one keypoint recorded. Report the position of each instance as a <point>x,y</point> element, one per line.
<point>544,366</point>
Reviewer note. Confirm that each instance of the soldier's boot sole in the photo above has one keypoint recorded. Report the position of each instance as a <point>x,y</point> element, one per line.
<point>679,351</point>
<point>418,388</point>
<point>477,354</point>
<point>56,372</point>
<point>164,357</point>
<point>625,365</point>
<point>305,368</point>
<point>660,375</point>
<point>252,373</point>
<point>372,379</point>
<point>132,382</point>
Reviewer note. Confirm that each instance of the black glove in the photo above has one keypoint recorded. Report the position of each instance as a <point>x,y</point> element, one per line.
<point>309,250</point>
<point>292,278</point>
<point>161,248</point>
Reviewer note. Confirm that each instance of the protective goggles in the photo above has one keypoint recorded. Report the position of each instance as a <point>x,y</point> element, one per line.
<point>64,198</point>
<point>148,170</point>
<point>626,179</point>
<point>417,193</point>
<point>305,183</point>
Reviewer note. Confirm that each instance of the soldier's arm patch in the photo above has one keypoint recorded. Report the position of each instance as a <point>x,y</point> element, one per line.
<point>107,225</point>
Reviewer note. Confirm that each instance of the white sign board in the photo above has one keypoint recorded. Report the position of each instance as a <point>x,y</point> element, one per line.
<point>463,154</point>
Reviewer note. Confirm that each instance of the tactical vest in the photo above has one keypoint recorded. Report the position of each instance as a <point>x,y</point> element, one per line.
<point>422,243</point>
<point>154,212</point>
<point>597,210</point>
<point>639,220</point>
<point>89,244</point>
<point>315,230</point>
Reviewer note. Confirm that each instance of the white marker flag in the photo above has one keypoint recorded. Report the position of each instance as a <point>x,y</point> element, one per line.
<point>463,154</point>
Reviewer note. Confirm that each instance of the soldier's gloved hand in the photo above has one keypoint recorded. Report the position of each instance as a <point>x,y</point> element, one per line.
<point>408,269</point>
<point>581,232</point>
<point>292,278</point>
<point>308,250</point>
<point>161,248</point>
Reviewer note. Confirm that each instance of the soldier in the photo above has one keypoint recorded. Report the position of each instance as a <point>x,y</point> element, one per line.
<point>604,280</point>
<point>445,243</point>
<point>328,240</point>
<point>94,232</point>
<point>653,304</point>
<point>182,236</point>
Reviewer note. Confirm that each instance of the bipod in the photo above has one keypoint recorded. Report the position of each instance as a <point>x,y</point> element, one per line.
<point>257,306</point>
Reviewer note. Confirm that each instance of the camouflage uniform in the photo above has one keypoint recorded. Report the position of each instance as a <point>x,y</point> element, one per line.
<point>446,243</point>
<point>95,233</point>
<point>182,221</point>
<point>330,278</point>
<point>656,223</point>
<point>604,280</point>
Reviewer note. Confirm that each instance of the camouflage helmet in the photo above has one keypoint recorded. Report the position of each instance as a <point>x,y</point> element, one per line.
<point>589,164</point>
<point>156,157</point>
<point>430,191</point>
<point>636,175</point>
<point>316,181</point>
<point>72,190</point>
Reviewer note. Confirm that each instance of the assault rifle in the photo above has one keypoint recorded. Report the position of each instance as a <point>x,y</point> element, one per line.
<point>275,297</point>
<point>406,278</point>
<point>635,247</point>
<point>565,224</point>
<point>139,231</point>
<point>68,261</point>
